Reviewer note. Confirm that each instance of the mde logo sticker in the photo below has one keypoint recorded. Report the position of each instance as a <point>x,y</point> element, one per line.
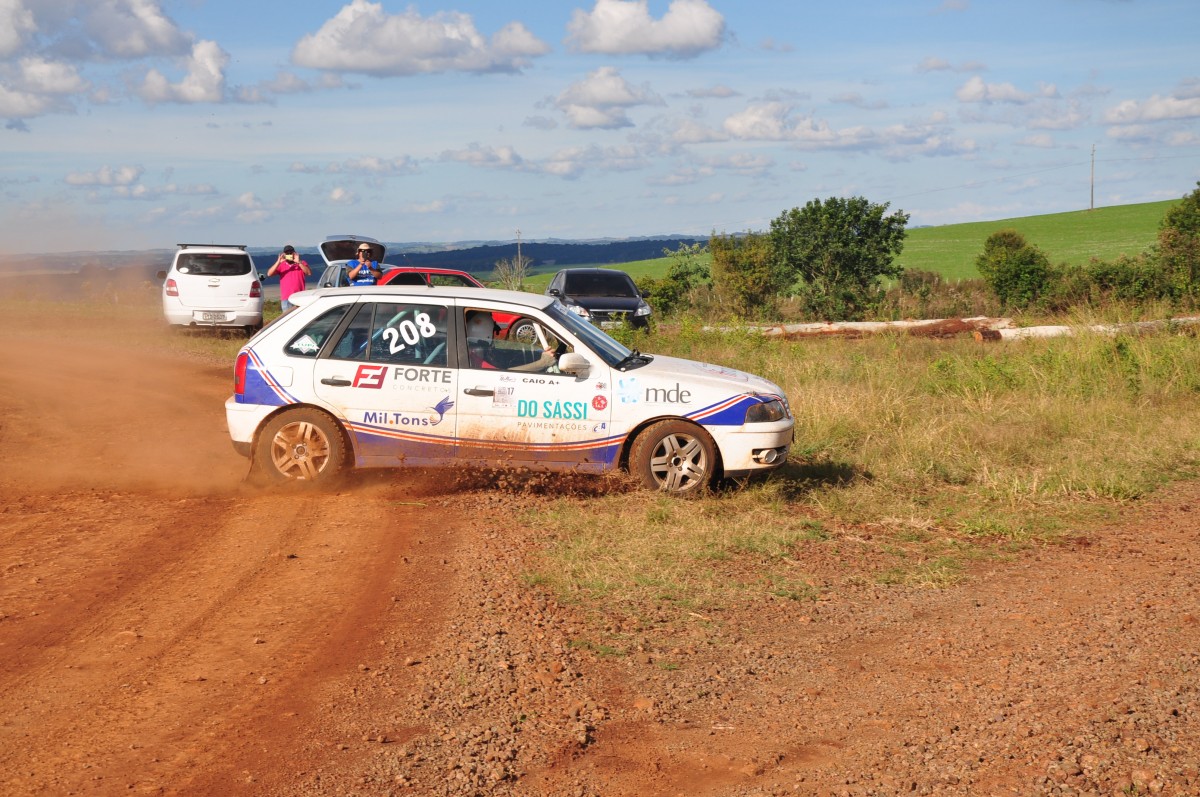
<point>599,403</point>
<point>370,376</point>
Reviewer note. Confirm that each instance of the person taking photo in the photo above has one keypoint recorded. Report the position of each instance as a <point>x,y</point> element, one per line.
<point>292,271</point>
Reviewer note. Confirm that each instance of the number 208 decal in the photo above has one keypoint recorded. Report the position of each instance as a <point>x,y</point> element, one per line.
<point>410,331</point>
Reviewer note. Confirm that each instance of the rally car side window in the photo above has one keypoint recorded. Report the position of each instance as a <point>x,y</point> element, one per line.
<point>308,341</point>
<point>391,332</point>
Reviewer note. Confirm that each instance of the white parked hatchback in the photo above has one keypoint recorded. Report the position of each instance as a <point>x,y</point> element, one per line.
<point>400,375</point>
<point>212,286</point>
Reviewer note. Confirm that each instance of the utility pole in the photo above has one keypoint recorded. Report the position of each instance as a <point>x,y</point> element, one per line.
<point>520,270</point>
<point>1092,204</point>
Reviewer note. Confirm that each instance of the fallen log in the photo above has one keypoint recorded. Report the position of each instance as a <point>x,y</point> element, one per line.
<point>1135,328</point>
<point>932,328</point>
<point>982,328</point>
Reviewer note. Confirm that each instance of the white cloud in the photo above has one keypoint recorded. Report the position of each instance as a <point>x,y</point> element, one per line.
<point>132,28</point>
<point>1155,109</point>
<point>486,157</point>
<point>435,206</point>
<point>204,81</point>
<point>343,196</point>
<point>40,76</point>
<point>689,131</point>
<point>366,165</point>
<point>106,176</point>
<point>623,27</point>
<point>362,38</point>
<point>775,121</point>
<point>568,163</point>
<point>934,64</point>
<point>600,100</point>
<point>16,26</point>
<point>286,82</point>
<point>22,105</point>
<point>976,90</point>
<point>252,210</point>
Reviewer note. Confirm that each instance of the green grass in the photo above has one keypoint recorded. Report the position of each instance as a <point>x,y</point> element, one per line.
<point>1075,237</point>
<point>950,250</point>
<point>913,459</point>
<point>656,267</point>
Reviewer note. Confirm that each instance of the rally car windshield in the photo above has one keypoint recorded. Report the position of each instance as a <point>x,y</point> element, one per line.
<point>611,351</point>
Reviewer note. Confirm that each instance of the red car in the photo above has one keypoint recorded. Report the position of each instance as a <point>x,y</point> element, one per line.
<point>514,327</point>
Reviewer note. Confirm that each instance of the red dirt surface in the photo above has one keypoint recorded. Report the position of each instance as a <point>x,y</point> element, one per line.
<point>166,628</point>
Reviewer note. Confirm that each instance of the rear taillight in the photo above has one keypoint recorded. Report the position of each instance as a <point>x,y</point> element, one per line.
<point>172,288</point>
<point>239,373</point>
<point>255,290</point>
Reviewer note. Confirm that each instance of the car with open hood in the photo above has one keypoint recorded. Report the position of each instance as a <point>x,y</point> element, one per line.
<point>397,376</point>
<point>338,250</point>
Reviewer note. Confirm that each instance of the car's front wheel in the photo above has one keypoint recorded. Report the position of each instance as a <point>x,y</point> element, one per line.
<point>675,457</point>
<point>303,445</point>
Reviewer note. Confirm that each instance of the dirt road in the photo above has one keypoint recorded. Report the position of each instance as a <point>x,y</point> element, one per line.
<point>166,629</point>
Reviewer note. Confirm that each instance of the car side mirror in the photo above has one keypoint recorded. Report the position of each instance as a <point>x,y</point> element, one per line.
<point>162,275</point>
<point>555,292</point>
<point>575,364</point>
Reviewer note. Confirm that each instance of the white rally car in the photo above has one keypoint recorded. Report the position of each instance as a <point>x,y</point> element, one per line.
<point>398,375</point>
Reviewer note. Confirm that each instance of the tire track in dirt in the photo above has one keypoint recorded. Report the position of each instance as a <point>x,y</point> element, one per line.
<point>163,627</point>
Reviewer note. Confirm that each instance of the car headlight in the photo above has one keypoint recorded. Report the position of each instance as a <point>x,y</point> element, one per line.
<point>766,412</point>
<point>579,311</point>
<point>642,309</point>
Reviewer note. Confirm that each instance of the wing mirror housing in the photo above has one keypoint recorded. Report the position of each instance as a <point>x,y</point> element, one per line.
<point>575,364</point>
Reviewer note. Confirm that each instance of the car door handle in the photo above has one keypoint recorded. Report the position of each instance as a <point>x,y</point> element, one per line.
<point>479,391</point>
<point>336,382</point>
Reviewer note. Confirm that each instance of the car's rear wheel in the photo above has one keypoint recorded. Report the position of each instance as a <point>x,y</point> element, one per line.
<point>302,445</point>
<point>675,457</point>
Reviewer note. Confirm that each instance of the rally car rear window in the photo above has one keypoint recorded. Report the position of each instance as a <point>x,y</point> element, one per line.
<point>308,342</point>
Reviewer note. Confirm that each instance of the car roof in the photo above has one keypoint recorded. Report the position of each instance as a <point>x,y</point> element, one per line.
<point>468,295</point>
<point>592,270</point>
<point>213,247</point>
<point>432,270</point>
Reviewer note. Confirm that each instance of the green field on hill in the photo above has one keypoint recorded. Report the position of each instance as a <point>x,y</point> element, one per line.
<point>950,250</point>
<point>1075,237</point>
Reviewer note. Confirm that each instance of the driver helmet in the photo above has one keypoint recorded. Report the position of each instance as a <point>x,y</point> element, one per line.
<point>480,327</point>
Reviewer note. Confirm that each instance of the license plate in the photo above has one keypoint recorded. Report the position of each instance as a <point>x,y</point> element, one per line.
<point>207,316</point>
<point>609,324</point>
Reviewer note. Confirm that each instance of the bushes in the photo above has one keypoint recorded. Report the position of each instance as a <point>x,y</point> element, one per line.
<point>746,275</point>
<point>1179,247</point>
<point>687,276</point>
<point>1016,271</point>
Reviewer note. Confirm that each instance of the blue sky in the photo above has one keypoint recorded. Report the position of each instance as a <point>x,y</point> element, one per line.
<point>133,124</point>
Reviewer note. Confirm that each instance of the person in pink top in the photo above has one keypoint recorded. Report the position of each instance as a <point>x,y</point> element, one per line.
<point>292,271</point>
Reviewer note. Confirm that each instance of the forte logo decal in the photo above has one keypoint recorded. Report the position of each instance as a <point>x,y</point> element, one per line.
<point>370,376</point>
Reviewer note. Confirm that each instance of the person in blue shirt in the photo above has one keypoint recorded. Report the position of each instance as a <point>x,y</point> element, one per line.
<point>365,271</point>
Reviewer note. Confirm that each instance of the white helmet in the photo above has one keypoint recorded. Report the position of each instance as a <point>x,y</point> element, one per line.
<point>480,326</point>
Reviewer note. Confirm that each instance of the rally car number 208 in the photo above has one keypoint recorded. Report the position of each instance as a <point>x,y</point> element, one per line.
<point>394,376</point>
